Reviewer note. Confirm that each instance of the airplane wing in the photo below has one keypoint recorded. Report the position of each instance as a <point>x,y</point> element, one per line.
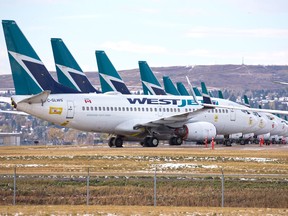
<point>280,82</point>
<point>173,121</point>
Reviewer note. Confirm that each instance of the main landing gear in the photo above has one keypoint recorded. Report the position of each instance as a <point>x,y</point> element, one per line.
<point>116,141</point>
<point>175,140</point>
<point>150,142</point>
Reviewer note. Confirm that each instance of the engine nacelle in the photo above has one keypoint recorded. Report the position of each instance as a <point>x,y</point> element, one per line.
<point>197,131</point>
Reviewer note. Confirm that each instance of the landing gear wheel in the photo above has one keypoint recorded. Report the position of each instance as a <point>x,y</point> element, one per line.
<point>146,142</point>
<point>178,141</point>
<point>111,142</point>
<point>227,143</point>
<point>175,141</point>
<point>153,142</point>
<point>118,142</point>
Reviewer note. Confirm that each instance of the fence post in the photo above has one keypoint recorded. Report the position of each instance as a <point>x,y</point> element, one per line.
<point>14,187</point>
<point>88,192</point>
<point>222,181</point>
<point>155,188</point>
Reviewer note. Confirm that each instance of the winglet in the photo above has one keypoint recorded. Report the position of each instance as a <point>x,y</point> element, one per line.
<point>246,101</point>
<point>191,91</point>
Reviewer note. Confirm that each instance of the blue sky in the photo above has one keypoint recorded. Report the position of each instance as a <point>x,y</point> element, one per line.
<point>161,32</point>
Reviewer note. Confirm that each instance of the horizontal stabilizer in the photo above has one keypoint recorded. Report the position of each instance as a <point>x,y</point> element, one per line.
<point>14,112</point>
<point>5,100</point>
<point>39,98</point>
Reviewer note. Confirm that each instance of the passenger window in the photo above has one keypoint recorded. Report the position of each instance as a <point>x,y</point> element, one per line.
<point>131,109</point>
<point>83,108</point>
<point>139,109</point>
<point>135,109</point>
<point>103,108</point>
<point>147,109</point>
<point>111,108</point>
<point>216,111</point>
<point>219,110</point>
<point>171,109</point>
<point>99,108</point>
<point>143,109</point>
<point>87,108</point>
<point>178,109</point>
<point>107,108</point>
<point>151,110</point>
<point>127,109</point>
<point>95,108</point>
<point>115,108</point>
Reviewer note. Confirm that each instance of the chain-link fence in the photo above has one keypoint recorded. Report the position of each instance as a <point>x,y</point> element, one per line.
<point>145,189</point>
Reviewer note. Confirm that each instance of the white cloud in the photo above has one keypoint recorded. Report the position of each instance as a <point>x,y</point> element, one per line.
<point>231,32</point>
<point>129,46</point>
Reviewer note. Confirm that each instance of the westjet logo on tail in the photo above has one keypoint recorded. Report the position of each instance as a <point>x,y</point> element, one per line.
<point>154,101</point>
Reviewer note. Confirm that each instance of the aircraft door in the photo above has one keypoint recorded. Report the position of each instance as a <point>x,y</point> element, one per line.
<point>232,115</point>
<point>70,109</point>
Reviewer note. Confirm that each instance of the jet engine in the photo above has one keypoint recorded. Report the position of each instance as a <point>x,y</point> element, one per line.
<point>196,131</point>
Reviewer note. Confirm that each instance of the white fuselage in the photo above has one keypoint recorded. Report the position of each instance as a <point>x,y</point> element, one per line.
<point>123,114</point>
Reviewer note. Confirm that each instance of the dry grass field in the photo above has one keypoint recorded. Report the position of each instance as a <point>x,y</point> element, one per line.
<point>101,159</point>
<point>135,210</point>
<point>121,180</point>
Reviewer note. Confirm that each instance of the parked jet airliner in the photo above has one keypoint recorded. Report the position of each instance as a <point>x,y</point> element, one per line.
<point>129,116</point>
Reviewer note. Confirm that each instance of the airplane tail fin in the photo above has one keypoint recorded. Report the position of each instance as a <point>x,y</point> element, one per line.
<point>30,76</point>
<point>69,72</point>
<point>109,78</point>
<point>149,81</point>
<point>205,94</point>
<point>181,88</point>
<point>220,94</point>
<point>197,92</point>
<point>169,86</point>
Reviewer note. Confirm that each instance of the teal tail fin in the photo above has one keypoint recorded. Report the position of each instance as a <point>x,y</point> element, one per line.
<point>181,88</point>
<point>68,71</point>
<point>197,92</point>
<point>220,94</point>
<point>205,94</point>
<point>149,81</point>
<point>109,78</point>
<point>30,76</point>
<point>169,86</point>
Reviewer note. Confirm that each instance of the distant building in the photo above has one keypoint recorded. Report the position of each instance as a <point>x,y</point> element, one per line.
<point>10,139</point>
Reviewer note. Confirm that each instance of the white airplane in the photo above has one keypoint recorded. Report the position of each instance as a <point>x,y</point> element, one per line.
<point>131,117</point>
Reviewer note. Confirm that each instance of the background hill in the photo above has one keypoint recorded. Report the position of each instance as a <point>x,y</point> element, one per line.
<point>233,78</point>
